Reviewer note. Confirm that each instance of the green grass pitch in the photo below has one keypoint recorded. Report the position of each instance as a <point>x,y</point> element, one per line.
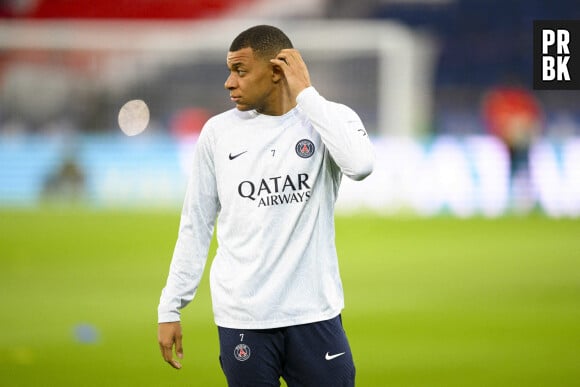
<point>429,302</point>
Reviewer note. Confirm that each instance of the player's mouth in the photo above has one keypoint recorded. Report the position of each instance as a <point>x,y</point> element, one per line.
<point>239,101</point>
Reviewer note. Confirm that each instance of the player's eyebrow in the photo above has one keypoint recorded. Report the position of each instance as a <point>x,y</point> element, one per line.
<point>234,65</point>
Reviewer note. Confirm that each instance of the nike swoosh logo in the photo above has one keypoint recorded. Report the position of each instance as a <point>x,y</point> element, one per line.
<point>235,156</point>
<point>330,357</point>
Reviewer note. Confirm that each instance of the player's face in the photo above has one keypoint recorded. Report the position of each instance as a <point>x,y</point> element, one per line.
<point>250,81</point>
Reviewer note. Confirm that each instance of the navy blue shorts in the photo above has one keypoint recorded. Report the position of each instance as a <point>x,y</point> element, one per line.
<point>309,355</point>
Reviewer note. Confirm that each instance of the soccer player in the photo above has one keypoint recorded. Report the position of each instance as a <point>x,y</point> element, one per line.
<point>269,171</point>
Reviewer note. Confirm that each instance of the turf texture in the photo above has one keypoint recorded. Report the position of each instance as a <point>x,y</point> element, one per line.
<point>429,302</point>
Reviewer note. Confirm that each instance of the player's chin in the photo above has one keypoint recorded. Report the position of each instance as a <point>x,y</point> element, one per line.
<point>244,107</point>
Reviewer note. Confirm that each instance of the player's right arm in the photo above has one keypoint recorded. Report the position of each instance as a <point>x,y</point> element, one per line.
<point>200,209</point>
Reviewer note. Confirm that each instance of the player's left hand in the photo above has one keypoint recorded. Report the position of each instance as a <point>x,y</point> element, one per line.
<point>295,71</point>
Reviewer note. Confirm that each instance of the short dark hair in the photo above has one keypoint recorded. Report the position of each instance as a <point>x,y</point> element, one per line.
<point>266,41</point>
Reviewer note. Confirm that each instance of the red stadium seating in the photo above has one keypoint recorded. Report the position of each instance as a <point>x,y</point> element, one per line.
<point>122,9</point>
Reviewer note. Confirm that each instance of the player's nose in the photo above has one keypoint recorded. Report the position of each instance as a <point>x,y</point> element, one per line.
<point>230,83</point>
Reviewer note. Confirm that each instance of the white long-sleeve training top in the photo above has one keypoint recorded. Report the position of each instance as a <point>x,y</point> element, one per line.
<point>272,182</point>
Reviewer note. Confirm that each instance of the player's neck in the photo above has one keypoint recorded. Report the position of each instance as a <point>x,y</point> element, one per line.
<point>280,104</point>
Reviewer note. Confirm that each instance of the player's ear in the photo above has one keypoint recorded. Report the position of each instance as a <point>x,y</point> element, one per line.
<point>277,73</point>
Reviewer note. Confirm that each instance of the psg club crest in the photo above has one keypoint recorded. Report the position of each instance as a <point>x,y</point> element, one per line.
<point>242,352</point>
<point>304,148</point>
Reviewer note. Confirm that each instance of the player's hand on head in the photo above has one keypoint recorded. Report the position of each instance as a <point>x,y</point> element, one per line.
<point>169,335</point>
<point>295,70</point>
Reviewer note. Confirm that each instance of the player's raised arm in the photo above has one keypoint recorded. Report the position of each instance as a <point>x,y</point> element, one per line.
<point>342,132</point>
<point>340,128</point>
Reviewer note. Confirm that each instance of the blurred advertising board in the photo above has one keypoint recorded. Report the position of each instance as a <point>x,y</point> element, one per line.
<point>467,176</point>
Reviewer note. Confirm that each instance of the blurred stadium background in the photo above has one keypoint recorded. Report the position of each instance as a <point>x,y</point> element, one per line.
<point>466,236</point>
